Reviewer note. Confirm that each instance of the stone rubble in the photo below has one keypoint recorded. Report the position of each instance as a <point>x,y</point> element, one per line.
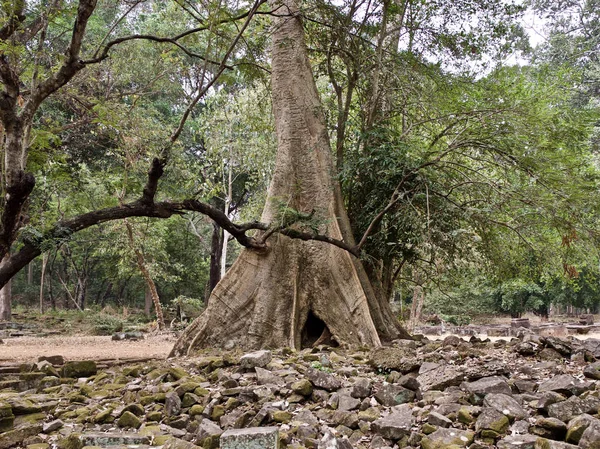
<point>447,394</point>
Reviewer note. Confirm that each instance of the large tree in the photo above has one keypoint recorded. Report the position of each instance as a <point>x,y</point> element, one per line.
<point>295,292</point>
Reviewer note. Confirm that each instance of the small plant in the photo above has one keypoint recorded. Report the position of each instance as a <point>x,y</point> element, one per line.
<point>105,324</point>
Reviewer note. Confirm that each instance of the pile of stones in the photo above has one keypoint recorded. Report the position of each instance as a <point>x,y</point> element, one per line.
<point>532,392</point>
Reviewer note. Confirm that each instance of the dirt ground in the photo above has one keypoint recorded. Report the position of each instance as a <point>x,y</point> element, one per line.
<point>28,349</point>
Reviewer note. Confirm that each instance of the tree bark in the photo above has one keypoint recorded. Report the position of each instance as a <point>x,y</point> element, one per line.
<point>42,279</point>
<point>150,285</point>
<point>216,247</point>
<point>266,299</point>
<point>147,302</point>
<point>5,301</point>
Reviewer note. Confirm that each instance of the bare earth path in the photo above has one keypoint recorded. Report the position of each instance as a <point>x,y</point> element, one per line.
<point>28,349</point>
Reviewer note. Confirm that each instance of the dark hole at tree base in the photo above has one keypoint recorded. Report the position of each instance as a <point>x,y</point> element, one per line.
<point>315,332</point>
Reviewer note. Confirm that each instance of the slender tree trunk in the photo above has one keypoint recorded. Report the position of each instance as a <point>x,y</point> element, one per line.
<point>216,246</point>
<point>6,300</point>
<point>147,302</point>
<point>30,273</point>
<point>226,210</point>
<point>294,288</point>
<point>106,295</point>
<point>417,301</point>
<point>141,263</point>
<point>42,278</point>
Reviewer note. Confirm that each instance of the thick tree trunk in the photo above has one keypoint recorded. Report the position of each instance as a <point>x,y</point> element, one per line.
<point>297,291</point>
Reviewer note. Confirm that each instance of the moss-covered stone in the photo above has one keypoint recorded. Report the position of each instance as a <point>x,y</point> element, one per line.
<point>136,409</point>
<point>196,409</point>
<point>154,416</point>
<point>105,416</point>
<point>464,416</point>
<point>82,368</point>
<point>128,419</point>
<point>282,416</point>
<point>201,392</point>
<point>189,399</point>
<point>6,417</point>
<point>177,373</point>
<point>302,387</point>
<point>73,441</point>
<point>428,428</point>
<point>217,412</point>
<point>158,397</point>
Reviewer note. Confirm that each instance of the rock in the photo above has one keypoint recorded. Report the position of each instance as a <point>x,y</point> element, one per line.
<point>396,425</point>
<point>53,359</point>
<point>101,439</point>
<point>302,387</point>
<point>72,441</point>
<point>592,345</point>
<point>440,377</point>
<point>526,348</point>
<point>578,425</point>
<point>172,404</point>
<point>128,419</point>
<point>346,402</point>
<point>517,442</point>
<point>136,409</point>
<point>592,371</point>
<point>591,437</point>
<point>85,368</point>
<point>131,336</point>
<point>560,346</point>
<point>398,359</point>
<point>323,380</point>
<point>361,388</point>
<point>438,420</point>
<point>486,385</point>
<point>550,355</point>
<point>208,434</point>
<point>177,443</point>
<point>564,384</point>
<point>543,443</point>
<point>17,436</point>
<point>574,406</point>
<point>266,377</point>
<point>551,428</point>
<point>391,395</point>
<point>255,359</point>
<point>525,386</point>
<point>6,417</point>
<point>52,426</point>
<point>329,441</point>
<point>446,438</point>
<point>452,340</point>
<point>547,399</point>
<point>506,405</point>
<point>250,438</point>
<point>281,416</point>
<point>492,422</point>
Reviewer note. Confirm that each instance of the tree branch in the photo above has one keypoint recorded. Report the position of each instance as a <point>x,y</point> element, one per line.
<point>69,68</point>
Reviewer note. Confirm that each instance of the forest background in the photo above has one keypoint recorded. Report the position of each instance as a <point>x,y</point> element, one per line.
<point>470,157</point>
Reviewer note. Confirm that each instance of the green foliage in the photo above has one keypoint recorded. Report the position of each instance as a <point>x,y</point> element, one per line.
<point>189,308</point>
<point>105,324</point>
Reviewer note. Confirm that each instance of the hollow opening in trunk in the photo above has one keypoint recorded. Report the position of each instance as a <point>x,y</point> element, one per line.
<point>315,332</point>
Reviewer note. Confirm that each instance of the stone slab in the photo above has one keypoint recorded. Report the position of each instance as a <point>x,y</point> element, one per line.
<point>251,438</point>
